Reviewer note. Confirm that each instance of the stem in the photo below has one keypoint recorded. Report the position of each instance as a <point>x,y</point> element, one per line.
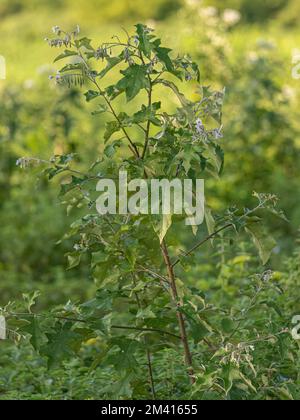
<point>149,363</point>
<point>145,330</point>
<point>132,146</point>
<point>202,243</point>
<point>171,274</point>
<point>181,321</point>
<point>149,122</point>
<point>148,354</point>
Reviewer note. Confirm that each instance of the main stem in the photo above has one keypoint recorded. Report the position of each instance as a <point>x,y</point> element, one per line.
<point>181,320</point>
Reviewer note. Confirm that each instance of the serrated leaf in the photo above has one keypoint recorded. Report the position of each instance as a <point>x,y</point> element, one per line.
<point>33,328</point>
<point>62,344</point>
<point>264,242</point>
<point>135,79</point>
<point>144,39</point>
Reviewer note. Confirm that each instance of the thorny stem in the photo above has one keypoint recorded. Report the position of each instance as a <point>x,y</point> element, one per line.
<point>148,123</point>
<point>83,321</point>
<point>170,270</point>
<point>181,320</point>
<point>148,354</point>
<point>186,254</point>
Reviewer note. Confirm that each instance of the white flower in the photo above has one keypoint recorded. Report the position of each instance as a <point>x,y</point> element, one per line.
<point>56,29</point>
<point>217,133</point>
<point>231,17</point>
<point>199,126</point>
<point>23,162</point>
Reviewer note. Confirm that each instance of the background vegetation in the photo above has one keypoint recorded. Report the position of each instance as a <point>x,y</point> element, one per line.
<point>249,51</point>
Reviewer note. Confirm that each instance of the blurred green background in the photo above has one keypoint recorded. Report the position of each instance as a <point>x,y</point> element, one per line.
<point>244,45</point>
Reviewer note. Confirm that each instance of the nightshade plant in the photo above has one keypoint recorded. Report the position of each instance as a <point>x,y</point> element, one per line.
<point>142,308</point>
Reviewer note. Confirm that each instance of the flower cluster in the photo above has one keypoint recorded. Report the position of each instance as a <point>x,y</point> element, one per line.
<point>237,354</point>
<point>62,41</point>
<point>101,53</point>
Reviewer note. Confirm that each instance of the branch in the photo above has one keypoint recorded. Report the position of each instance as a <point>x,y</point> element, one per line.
<point>186,254</point>
<point>121,327</point>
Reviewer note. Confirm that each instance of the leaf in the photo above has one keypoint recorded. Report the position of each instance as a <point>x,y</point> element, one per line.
<point>111,63</point>
<point>183,100</point>
<point>198,330</point>
<point>263,241</point>
<point>110,150</point>
<point>67,187</point>
<point>61,344</point>
<point>66,53</point>
<point>91,94</point>
<point>135,79</point>
<point>84,42</point>
<point>162,227</point>
<point>30,299</point>
<point>147,114</point>
<point>33,328</point>
<point>101,109</point>
<point>247,382</point>
<point>210,221</point>
<point>227,325</point>
<point>73,260</point>
<point>163,56</point>
<point>144,39</point>
<point>111,128</point>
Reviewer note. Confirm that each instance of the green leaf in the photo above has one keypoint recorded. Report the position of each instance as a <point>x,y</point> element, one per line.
<point>183,100</point>
<point>73,260</point>
<point>264,242</point>
<point>111,63</point>
<point>61,344</point>
<point>144,39</point>
<point>91,94</point>
<point>110,150</point>
<point>111,128</point>
<point>33,328</point>
<point>163,56</point>
<point>227,325</point>
<point>67,53</point>
<point>135,79</point>
<point>198,330</point>
<point>210,221</point>
<point>162,226</point>
<point>147,114</point>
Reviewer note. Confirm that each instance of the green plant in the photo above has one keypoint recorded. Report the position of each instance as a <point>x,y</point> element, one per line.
<point>142,308</point>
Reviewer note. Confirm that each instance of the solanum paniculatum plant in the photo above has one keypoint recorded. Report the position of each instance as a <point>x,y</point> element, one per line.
<point>142,305</point>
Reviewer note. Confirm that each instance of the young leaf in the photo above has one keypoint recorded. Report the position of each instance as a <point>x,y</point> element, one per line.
<point>264,242</point>
<point>144,39</point>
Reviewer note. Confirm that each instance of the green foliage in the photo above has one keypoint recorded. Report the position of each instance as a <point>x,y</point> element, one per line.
<point>137,305</point>
<point>237,314</point>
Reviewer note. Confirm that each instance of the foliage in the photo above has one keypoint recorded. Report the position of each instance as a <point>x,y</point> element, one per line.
<point>223,276</point>
<point>137,308</point>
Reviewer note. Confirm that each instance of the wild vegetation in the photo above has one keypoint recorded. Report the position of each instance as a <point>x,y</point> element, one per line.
<point>141,307</point>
